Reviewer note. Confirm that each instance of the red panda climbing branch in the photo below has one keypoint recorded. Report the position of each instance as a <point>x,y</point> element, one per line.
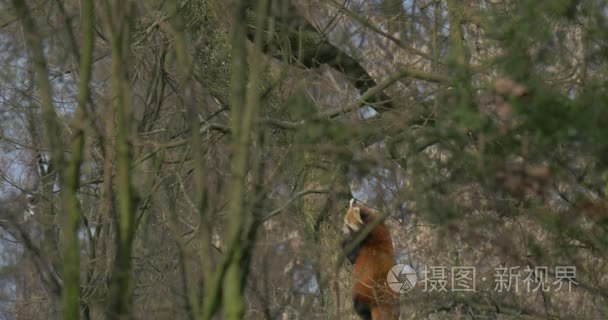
<point>372,259</point>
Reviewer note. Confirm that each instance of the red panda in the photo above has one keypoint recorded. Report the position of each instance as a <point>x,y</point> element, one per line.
<point>372,259</point>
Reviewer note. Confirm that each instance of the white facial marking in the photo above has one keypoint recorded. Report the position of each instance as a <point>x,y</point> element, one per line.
<point>351,226</point>
<point>357,213</point>
<point>345,229</point>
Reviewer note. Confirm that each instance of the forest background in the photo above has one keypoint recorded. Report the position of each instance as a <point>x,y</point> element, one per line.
<point>192,159</point>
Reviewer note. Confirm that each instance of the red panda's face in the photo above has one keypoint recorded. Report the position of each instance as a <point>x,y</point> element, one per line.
<point>352,219</point>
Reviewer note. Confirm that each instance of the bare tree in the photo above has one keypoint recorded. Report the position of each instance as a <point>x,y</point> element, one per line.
<point>192,159</point>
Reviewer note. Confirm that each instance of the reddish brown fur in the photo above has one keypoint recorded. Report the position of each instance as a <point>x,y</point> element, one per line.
<point>371,295</point>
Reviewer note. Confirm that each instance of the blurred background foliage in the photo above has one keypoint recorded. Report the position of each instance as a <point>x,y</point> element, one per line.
<point>222,140</point>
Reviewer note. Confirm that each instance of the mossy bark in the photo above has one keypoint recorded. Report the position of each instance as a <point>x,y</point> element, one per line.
<point>121,291</point>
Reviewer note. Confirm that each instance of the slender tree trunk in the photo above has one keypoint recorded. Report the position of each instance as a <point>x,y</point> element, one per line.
<point>72,213</point>
<point>121,292</point>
